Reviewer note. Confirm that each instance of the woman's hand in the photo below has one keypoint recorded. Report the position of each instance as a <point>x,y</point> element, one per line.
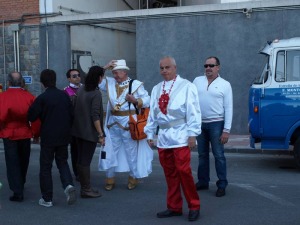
<point>101,140</point>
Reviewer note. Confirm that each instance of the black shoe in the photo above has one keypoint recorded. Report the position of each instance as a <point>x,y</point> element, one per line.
<point>193,215</point>
<point>220,192</point>
<point>168,213</point>
<point>201,187</point>
<point>16,198</point>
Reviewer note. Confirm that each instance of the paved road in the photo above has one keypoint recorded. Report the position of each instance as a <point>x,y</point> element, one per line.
<point>263,189</point>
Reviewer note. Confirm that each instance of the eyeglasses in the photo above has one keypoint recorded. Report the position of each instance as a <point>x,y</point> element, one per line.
<point>209,65</point>
<point>75,75</point>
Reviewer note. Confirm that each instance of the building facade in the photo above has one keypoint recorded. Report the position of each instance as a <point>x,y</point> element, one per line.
<point>67,34</point>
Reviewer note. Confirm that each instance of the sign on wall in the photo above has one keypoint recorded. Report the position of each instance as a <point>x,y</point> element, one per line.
<point>28,79</point>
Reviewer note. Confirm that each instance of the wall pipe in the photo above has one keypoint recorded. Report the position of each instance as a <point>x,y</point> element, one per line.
<point>4,54</point>
<point>18,52</point>
<point>47,39</point>
<point>15,55</point>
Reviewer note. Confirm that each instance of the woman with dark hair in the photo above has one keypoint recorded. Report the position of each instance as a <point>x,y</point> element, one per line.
<point>88,127</point>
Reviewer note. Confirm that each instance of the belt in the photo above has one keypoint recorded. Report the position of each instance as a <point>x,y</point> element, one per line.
<point>123,113</point>
<point>172,124</point>
<point>116,123</point>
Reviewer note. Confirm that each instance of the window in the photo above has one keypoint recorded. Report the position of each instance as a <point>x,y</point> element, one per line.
<point>279,72</point>
<point>288,66</point>
<point>293,63</point>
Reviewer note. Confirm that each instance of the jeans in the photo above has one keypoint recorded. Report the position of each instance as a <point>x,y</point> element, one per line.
<point>211,133</point>
<point>17,154</point>
<point>47,155</point>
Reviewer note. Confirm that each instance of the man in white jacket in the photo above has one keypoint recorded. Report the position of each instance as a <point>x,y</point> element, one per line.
<point>215,96</point>
<point>121,149</point>
<point>174,107</point>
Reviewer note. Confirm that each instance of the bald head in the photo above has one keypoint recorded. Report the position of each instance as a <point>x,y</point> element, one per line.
<point>15,79</point>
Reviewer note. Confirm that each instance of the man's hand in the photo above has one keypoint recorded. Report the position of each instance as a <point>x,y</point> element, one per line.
<point>110,65</point>
<point>224,137</point>
<point>150,142</point>
<point>131,98</point>
<point>192,142</point>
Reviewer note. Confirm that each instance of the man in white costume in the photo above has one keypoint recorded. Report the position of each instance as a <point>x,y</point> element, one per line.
<point>123,153</point>
<point>174,107</point>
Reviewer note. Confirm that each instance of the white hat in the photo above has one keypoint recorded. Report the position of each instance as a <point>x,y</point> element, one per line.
<point>120,65</point>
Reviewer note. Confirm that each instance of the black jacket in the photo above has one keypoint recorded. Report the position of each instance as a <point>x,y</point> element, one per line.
<point>54,108</point>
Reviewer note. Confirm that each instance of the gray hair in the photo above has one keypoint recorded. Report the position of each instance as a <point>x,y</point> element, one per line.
<point>15,79</point>
<point>169,57</point>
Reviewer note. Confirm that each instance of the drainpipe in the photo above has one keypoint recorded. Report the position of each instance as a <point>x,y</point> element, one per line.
<point>4,54</point>
<point>15,28</point>
<point>47,38</point>
<point>15,55</point>
<point>18,51</point>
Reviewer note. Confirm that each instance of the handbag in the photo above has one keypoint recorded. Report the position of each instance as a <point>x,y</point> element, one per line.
<point>136,127</point>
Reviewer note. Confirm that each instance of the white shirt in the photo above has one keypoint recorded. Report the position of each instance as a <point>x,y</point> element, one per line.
<point>215,100</point>
<point>183,106</point>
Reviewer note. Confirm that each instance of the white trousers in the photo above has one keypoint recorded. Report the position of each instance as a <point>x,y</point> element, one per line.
<point>121,141</point>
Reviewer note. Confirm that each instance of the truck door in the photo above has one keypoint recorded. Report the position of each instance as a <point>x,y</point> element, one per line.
<point>280,104</point>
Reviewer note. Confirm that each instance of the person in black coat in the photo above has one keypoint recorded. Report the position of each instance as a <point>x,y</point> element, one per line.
<point>54,109</point>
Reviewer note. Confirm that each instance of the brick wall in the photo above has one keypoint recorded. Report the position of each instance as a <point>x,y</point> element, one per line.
<point>17,10</point>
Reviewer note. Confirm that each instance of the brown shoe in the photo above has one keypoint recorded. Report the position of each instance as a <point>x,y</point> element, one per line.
<point>132,183</point>
<point>109,184</point>
<point>86,190</point>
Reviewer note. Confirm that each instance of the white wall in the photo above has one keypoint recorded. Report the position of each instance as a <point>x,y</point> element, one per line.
<point>92,6</point>
<point>46,4</point>
<point>104,44</point>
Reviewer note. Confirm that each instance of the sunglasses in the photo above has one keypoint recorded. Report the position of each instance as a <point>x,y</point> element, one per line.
<point>75,75</point>
<point>209,65</point>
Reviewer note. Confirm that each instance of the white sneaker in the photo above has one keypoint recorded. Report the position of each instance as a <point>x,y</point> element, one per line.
<point>42,202</point>
<point>70,192</point>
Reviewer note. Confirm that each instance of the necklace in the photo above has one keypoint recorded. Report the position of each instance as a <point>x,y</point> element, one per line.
<point>163,100</point>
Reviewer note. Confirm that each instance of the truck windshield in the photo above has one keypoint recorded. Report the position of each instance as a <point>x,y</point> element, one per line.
<point>264,75</point>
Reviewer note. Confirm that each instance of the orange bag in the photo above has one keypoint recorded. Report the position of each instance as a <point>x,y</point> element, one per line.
<point>136,127</point>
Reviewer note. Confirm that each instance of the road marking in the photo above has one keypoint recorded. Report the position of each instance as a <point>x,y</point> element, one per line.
<point>265,194</point>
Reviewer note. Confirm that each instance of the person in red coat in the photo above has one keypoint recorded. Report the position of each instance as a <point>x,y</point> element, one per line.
<point>16,132</point>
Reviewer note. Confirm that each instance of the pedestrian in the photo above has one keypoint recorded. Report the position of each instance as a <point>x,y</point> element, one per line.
<point>54,109</point>
<point>215,97</point>
<point>174,107</point>
<point>73,76</point>
<point>16,132</point>
<point>123,147</point>
<point>88,127</point>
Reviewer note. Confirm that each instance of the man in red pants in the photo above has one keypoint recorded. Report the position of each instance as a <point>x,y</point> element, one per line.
<point>175,110</point>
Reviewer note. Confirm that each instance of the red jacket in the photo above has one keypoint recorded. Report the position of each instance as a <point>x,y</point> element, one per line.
<point>14,104</point>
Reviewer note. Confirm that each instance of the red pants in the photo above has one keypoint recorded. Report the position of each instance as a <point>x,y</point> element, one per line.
<point>176,165</point>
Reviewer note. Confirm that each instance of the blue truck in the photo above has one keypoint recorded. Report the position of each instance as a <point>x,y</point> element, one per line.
<point>274,99</point>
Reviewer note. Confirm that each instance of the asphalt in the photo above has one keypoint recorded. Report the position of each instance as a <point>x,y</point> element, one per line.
<point>267,179</point>
<point>238,143</point>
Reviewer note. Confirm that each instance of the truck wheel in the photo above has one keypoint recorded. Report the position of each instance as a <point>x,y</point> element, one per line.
<point>297,152</point>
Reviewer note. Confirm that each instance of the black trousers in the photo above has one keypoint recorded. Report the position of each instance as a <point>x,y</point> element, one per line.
<point>74,155</point>
<point>47,155</point>
<point>17,154</point>
<point>86,150</point>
